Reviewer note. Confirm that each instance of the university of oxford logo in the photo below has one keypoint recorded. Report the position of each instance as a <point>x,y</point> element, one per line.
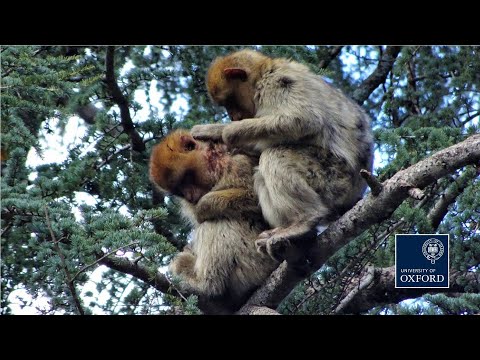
<point>432,249</point>
<point>422,261</point>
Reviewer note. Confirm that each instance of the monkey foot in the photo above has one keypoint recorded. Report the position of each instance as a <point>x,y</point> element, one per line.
<point>275,247</point>
<point>281,243</point>
<point>275,243</point>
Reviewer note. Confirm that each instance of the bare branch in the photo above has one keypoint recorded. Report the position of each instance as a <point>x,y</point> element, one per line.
<point>378,76</point>
<point>103,257</point>
<point>362,284</point>
<point>440,208</point>
<point>70,283</point>
<point>368,211</point>
<point>382,291</point>
<point>160,282</point>
<point>372,182</point>
<point>121,101</point>
<point>155,279</point>
<point>333,52</point>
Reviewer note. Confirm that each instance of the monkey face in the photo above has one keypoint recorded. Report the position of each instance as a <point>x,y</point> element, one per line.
<point>183,167</point>
<point>237,98</point>
<point>239,104</point>
<point>233,87</point>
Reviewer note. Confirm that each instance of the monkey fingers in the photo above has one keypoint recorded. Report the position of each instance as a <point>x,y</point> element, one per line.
<point>276,247</point>
<point>269,233</point>
<point>208,132</point>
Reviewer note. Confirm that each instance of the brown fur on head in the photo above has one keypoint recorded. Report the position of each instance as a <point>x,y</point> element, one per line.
<point>185,167</point>
<point>231,82</point>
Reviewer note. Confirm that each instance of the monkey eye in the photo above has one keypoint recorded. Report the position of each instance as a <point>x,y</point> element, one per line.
<point>190,145</point>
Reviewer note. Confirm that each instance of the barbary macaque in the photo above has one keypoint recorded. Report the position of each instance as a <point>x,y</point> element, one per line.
<point>313,141</point>
<point>216,192</point>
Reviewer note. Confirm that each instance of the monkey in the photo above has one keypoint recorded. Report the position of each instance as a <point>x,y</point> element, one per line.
<point>216,192</point>
<point>312,139</point>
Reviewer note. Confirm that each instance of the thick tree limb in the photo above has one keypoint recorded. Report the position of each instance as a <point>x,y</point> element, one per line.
<point>378,76</point>
<point>358,286</point>
<point>257,310</point>
<point>121,101</point>
<point>382,290</point>
<point>368,211</point>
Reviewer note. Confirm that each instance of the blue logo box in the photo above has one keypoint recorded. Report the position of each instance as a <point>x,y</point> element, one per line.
<point>422,261</point>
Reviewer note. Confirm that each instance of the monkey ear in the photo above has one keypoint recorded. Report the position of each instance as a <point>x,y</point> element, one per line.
<point>235,73</point>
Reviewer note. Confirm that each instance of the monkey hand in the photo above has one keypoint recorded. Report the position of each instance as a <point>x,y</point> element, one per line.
<point>205,209</point>
<point>183,264</point>
<point>208,132</point>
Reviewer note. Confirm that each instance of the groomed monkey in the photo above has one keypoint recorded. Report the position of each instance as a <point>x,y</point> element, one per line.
<point>313,141</point>
<point>216,192</point>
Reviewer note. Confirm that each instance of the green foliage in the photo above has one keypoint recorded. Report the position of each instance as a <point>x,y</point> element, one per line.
<point>428,102</point>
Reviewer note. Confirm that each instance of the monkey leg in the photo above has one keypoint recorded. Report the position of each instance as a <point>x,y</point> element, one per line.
<point>291,183</point>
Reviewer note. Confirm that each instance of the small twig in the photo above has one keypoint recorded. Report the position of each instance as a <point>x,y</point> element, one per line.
<point>372,182</point>
<point>103,257</point>
<point>5,229</point>
<point>70,284</point>
<point>416,193</point>
<point>176,288</point>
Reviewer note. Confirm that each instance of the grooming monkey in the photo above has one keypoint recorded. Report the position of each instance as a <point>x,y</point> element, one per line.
<point>313,141</point>
<point>216,192</point>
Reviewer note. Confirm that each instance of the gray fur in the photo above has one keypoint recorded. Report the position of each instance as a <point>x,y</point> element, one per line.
<point>222,261</point>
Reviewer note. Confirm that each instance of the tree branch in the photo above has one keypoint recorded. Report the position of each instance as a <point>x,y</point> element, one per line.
<point>70,284</point>
<point>101,258</point>
<point>378,76</point>
<point>382,290</point>
<point>257,310</point>
<point>362,282</point>
<point>160,282</point>
<point>156,280</point>
<point>333,52</point>
<point>121,101</point>
<point>368,211</point>
<point>372,182</point>
<point>440,208</point>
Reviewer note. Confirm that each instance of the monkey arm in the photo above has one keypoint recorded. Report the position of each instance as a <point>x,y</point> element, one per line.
<point>184,265</point>
<point>283,128</point>
<point>229,203</point>
<point>212,132</point>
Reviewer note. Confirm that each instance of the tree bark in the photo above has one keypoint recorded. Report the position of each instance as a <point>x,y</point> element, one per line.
<point>368,211</point>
